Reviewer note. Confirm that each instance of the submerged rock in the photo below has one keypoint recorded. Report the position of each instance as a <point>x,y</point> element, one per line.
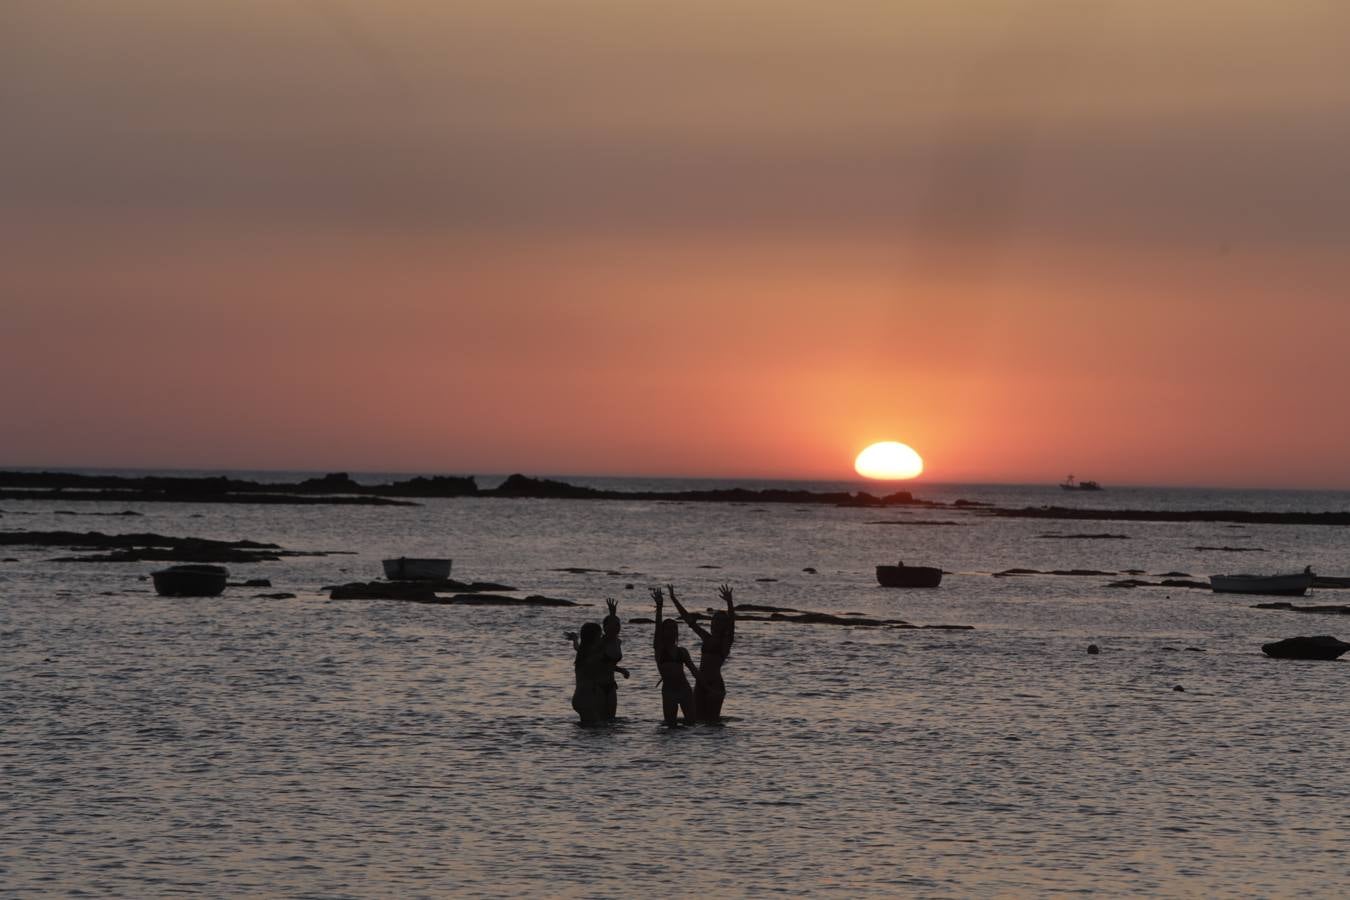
<point>145,546</point>
<point>392,590</point>
<point>1321,646</point>
<point>1323,610</point>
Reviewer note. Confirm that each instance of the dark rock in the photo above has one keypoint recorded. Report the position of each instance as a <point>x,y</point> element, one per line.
<point>1231,549</point>
<point>277,596</point>
<point>628,587</point>
<point>151,547</point>
<point>809,570</point>
<point>1175,575</point>
<point>1144,515</point>
<point>917,522</point>
<point>393,590</point>
<point>760,607</point>
<point>641,620</point>
<point>1085,537</point>
<point>1094,649</point>
<point>1181,583</point>
<point>1323,610</point>
<point>766,579</point>
<point>435,486</point>
<point>1195,650</point>
<point>708,567</point>
<point>815,618</point>
<point>521,486</point>
<point>1322,646</point>
<point>252,582</point>
<point>492,600</point>
<point>332,483</point>
<point>1178,688</point>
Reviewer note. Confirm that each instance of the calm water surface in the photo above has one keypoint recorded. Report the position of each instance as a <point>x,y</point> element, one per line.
<point>311,747</point>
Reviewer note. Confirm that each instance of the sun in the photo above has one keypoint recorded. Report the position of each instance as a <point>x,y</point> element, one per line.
<point>889,460</point>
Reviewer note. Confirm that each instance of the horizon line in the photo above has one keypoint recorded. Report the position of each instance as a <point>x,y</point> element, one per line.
<point>898,484</point>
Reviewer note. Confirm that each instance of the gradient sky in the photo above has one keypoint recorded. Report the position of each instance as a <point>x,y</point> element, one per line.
<point>705,238</point>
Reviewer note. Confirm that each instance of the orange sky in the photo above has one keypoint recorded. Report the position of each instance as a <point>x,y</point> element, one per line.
<point>740,240</point>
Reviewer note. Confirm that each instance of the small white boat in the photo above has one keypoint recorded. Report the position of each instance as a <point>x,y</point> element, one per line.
<point>1285,585</point>
<point>408,568</point>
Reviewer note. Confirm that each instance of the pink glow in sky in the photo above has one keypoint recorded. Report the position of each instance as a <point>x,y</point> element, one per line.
<point>695,239</point>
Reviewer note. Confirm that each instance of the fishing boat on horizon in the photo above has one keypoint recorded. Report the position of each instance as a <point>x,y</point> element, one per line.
<point>1070,484</point>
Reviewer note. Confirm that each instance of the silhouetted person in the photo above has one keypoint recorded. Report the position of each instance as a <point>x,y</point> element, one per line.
<point>612,650</point>
<point>710,690</point>
<point>671,661</point>
<point>588,699</point>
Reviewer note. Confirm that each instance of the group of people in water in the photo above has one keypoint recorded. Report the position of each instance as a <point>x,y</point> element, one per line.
<point>599,651</point>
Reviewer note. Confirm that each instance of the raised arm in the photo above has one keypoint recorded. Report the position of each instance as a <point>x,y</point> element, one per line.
<point>684,614</point>
<point>656,632</point>
<point>725,593</point>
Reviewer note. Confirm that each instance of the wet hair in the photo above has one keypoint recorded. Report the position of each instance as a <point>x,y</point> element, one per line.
<point>670,631</point>
<point>612,624</point>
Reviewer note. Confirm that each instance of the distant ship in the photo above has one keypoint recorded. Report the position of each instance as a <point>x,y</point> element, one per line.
<point>1070,485</point>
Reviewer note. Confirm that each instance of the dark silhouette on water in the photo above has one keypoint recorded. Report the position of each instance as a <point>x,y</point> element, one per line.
<point>903,576</point>
<point>588,699</point>
<point>671,661</point>
<point>612,650</point>
<point>717,639</point>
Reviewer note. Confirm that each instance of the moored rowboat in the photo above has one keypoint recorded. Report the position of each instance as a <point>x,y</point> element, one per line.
<point>193,580</point>
<point>407,568</point>
<point>1284,585</point>
<point>908,576</point>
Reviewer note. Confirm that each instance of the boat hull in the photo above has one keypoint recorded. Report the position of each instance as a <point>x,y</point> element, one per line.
<point>909,576</point>
<point>407,568</point>
<point>190,581</point>
<point>1277,585</point>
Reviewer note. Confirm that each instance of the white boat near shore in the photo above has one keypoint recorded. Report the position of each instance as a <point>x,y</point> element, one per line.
<point>408,568</point>
<point>1295,585</point>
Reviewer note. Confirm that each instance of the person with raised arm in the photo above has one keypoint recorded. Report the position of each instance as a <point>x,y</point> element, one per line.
<point>710,689</point>
<point>612,650</point>
<point>588,699</point>
<point>671,661</point>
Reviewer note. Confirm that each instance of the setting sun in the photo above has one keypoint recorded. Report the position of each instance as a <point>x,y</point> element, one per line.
<point>889,460</point>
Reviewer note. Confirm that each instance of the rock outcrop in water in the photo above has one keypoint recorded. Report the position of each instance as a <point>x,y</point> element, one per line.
<point>339,488</point>
<point>1245,517</point>
<point>1322,646</point>
<point>409,590</point>
<point>152,547</point>
<point>1322,610</point>
<point>478,593</point>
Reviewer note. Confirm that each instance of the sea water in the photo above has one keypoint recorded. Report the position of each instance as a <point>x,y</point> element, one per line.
<point>311,747</point>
